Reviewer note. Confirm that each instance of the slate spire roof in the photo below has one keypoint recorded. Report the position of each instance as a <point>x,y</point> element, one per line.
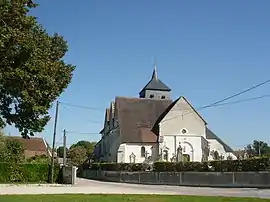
<point>155,83</point>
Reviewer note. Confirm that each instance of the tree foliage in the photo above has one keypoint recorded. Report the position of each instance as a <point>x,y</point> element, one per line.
<point>80,151</point>
<point>11,150</point>
<point>32,70</point>
<point>258,148</point>
<point>89,146</point>
<point>77,155</point>
<point>60,151</point>
<point>41,159</point>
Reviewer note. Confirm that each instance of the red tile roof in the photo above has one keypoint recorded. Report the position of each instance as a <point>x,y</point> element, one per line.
<point>32,144</point>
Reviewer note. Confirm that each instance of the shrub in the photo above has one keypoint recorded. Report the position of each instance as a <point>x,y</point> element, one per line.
<point>180,167</point>
<point>261,164</point>
<point>118,166</point>
<point>39,159</point>
<point>27,173</point>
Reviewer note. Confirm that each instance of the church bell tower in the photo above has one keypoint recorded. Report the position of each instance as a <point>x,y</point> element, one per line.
<point>155,88</point>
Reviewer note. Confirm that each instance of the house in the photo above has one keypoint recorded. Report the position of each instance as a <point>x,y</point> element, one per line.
<point>154,127</point>
<point>35,146</point>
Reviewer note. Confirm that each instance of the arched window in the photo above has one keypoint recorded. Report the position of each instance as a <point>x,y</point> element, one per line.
<point>142,151</point>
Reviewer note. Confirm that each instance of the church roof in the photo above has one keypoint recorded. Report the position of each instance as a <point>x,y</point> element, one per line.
<point>155,83</point>
<point>210,135</point>
<point>136,118</point>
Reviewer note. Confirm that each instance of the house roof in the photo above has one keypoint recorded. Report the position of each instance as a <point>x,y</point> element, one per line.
<point>210,135</point>
<point>166,111</point>
<point>155,83</point>
<point>32,144</point>
<point>137,116</point>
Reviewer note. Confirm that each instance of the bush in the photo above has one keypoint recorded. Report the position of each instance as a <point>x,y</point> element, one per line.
<point>118,166</point>
<point>261,164</point>
<point>27,173</point>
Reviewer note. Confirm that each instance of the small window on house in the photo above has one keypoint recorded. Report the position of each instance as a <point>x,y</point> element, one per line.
<point>151,96</point>
<point>162,97</point>
<point>142,151</point>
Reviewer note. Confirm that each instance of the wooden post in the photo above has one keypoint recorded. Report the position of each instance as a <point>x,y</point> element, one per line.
<point>65,149</point>
<point>54,137</point>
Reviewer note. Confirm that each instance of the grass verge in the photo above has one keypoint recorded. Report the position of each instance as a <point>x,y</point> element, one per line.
<point>121,198</point>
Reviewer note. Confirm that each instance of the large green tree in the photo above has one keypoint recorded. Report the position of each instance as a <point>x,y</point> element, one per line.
<point>89,146</point>
<point>32,70</point>
<point>80,151</point>
<point>258,148</point>
<point>77,155</point>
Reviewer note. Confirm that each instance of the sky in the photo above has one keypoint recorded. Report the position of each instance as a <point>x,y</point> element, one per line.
<point>204,50</point>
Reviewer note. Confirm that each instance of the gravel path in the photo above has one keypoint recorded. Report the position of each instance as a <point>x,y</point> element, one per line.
<point>84,186</point>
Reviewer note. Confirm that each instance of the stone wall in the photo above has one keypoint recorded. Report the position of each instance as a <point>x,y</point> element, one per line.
<point>207,179</point>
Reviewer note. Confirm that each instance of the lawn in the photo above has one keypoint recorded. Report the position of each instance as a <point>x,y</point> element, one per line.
<point>121,198</point>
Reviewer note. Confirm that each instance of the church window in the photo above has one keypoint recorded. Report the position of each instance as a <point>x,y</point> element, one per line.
<point>184,131</point>
<point>142,151</point>
<point>151,96</point>
<point>162,97</point>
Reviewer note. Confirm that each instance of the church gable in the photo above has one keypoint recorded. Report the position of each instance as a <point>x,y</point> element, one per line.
<point>180,115</point>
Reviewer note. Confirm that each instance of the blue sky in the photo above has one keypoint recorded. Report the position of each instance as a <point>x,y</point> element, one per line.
<point>204,50</point>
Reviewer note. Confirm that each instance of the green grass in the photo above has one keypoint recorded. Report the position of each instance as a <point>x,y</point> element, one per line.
<point>121,198</point>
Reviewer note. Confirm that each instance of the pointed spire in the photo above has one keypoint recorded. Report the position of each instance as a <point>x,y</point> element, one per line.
<point>154,75</point>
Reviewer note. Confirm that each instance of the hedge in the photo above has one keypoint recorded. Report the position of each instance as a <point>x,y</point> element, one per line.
<point>28,173</point>
<point>261,164</point>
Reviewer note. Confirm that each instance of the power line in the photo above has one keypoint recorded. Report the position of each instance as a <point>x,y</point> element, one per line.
<point>243,100</point>
<point>88,133</point>
<point>58,142</point>
<point>91,121</point>
<point>215,104</point>
<point>218,103</point>
<point>83,107</point>
<point>234,95</point>
<point>227,103</point>
<point>81,133</point>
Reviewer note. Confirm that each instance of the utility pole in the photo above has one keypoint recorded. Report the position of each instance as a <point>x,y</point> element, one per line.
<point>65,149</point>
<point>54,137</point>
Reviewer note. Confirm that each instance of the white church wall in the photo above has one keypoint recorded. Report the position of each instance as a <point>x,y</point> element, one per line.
<point>131,153</point>
<point>110,143</point>
<point>216,146</point>
<point>180,117</point>
<point>190,144</point>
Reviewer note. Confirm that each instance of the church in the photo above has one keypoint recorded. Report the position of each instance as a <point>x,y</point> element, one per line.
<point>153,127</point>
